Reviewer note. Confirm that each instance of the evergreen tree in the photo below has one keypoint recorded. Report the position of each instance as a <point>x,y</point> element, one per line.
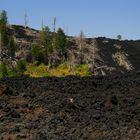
<point>37,53</point>
<point>45,36</point>
<point>60,40</point>
<point>46,40</point>
<point>3,16</point>
<point>11,45</point>
<point>3,29</point>
<point>119,37</point>
<point>21,66</point>
<point>4,33</point>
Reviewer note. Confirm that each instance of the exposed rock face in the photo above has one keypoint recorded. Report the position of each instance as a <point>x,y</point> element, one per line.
<point>70,108</point>
<point>104,56</point>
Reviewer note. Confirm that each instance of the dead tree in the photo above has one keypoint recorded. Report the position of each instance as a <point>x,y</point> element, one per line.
<point>54,24</point>
<point>81,40</point>
<point>25,20</point>
<point>42,23</point>
<point>71,60</point>
<point>92,55</point>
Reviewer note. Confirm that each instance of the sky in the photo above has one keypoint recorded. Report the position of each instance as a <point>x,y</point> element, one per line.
<point>95,18</point>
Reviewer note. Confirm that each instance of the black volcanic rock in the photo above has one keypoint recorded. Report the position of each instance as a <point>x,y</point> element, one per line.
<point>70,108</point>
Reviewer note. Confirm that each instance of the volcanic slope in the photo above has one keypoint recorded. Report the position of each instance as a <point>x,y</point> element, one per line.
<point>104,56</point>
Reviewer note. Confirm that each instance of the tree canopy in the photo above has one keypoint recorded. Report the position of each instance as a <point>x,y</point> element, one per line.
<point>60,40</point>
<point>3,16</point>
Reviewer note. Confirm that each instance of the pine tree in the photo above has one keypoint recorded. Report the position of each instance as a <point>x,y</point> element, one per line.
<point>3,29</point>
<point>46,40</point>
<point>21,66</point>
<point>45,36</point>
<point>119,37</point>
<point>3,16</point>
<point>60,40</point>
<point>11,45</point>
<point>4,33</point>
<point>37,53</point>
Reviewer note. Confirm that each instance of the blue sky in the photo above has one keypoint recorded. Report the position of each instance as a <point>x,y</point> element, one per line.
<point>95,17</point>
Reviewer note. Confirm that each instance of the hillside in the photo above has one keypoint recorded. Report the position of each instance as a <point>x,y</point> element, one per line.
<point>73,107</point>
<point>103,56</point>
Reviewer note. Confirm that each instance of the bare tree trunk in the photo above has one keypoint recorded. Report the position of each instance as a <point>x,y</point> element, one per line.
<point>54,24</point>
<point>25,20</point>
<point>42,23</point>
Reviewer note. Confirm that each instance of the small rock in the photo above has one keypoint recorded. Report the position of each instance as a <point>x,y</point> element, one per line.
<point>114,100</point>
<point>5,90</point>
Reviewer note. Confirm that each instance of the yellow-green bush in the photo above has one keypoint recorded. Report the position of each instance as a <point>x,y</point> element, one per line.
<point>62,70</point>
<point>37,71</point>
<point>82,70</point>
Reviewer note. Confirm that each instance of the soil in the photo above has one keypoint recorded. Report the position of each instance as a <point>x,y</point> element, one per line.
<point>70,108</point>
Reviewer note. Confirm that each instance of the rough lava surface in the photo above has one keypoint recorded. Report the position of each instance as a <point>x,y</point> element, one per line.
<point>70,108</point>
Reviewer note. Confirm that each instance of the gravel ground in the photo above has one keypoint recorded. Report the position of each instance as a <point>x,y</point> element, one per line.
<point>70,108</point>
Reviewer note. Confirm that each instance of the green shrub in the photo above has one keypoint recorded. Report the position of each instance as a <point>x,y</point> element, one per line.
<point>21,67</point>
<point>37,53</point>
<point>3,70</point>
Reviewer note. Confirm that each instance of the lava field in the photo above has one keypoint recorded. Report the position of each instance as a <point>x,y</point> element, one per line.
<point>70,108</point>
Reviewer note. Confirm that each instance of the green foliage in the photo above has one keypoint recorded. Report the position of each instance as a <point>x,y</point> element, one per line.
<point>49,43</point>
<point>40,51</point>
<point>119,37</point>
<point>3,28</point>
<point>9,71</point>
<point>60,71</point>
<point>4,33</point>
<point>34,70</point>
<point>21,66</point>
<point>45,36</point>
<point>11,46</point>
<point>12,72</point>
<point>37,53</point>
<point>3,70</point>
<point>46,40</point>
<point>3,16</point>
<point>82,70</point>
<point>7,41</point>
<point>60,40</point>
